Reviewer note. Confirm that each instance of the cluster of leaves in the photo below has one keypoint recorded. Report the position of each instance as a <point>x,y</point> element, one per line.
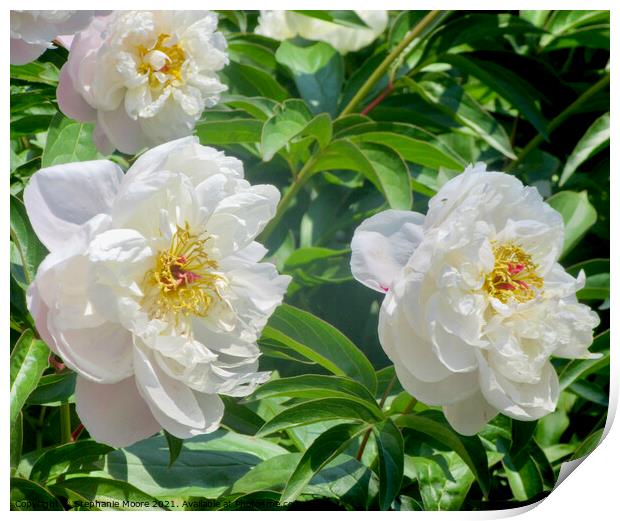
<point>343,138</point>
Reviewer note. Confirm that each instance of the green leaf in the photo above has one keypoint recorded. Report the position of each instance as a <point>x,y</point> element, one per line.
<point>520,94</point>
<point>257,107</point>
<point>27,495</point>
<point>291,122</point>
<point>380,165</point>
<point>595,139</point>
<point>550,428</point>
<point>525,479</point>
<point>68,141</point>
<point>313,386</point>
<point>522,432</point>
<point>597,287</point>
<point>175,445</point>
<point>252,81</point>
<point>228,127</point>
<point>344,479</point>
<point>109,494</point>
<point>411,143</point>
<point>54,390</point>
<point>30,249</point>
<point>443,478</point>
<point>206,467</point>
<point>28,361</point>
<point>325,448</point>
<point>590,391</point>
<point>71,458</point>
<point>450,98</point>
<point>344,18</point>
<point>469,448</point>
<point>578,369</point>
<point>322,409</point>
<point>17,435</point>
<point>318,72</point>
<point>319,342</point>
<point>390,452</point>
<point>30,124</point>
<point>578,213</point>
<point>588,445</point>
<point>36,72</point>
<point>240,418</point>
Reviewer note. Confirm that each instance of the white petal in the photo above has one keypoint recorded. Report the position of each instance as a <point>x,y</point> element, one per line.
<point>519,401</point>
<point>178,409</point>
<point>382,245</point>
<point>241,217</point>
<point>469,416</point>
<point>114,414</point>
<point>123,132</point>
<point>403,346</point>
<point>71,103</point>
<point>103,354</point>
<point>59,199</point>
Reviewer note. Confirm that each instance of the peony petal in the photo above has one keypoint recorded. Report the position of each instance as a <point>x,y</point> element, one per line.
<point>240,217</point>
<point>382,245</point>
<point>114,414</point>
<point>23,52</point>
<point>178,409</point>
<point>103,354</point>
<point>70,102</point>
<point>123,132</point>
<point>519,401</point>
<point>401,343</point>
<point>59,199</point>
<point>469,416</point>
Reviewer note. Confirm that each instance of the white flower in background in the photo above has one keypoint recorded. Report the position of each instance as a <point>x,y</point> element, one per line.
<point>153,291</point>
<point>32,32</point>
<point>282,25</point>
<point>144,77</point>
<point>476,302</point>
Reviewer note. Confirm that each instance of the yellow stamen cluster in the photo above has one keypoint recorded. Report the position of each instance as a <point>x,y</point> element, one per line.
<point>514,275</point>
<point>172,67</point>
<point>183,281</point>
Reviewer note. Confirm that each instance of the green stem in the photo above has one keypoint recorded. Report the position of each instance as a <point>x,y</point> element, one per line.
<point>559,119</point>
<point>360,452</point>
<point>287,198</point>
<point>40,424</point>
<point>65,423</point>
<point>389,59</point>
<point>410,406</point>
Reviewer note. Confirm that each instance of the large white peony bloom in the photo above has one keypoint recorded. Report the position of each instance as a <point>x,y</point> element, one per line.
<point>153,291</point>
<point>281,25</point>
<point>476,301</point>
<point>144,77</point>
<point>32,32</point>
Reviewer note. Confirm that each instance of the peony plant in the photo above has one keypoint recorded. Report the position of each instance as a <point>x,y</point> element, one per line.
<point>144,77</point>
<point>476,302</point>
<point>286,260</point>
<point>153,292</point>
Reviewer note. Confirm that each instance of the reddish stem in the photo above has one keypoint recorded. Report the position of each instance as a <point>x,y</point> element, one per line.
<point>76,433</point>
<point>56,363</point>
<point>384,94</point>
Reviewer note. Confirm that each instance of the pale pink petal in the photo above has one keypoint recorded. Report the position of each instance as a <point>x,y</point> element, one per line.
<point>70,101</point>
<point>22,52</point>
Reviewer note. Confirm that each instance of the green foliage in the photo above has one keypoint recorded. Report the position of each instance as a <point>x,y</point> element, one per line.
<point>342,138</point>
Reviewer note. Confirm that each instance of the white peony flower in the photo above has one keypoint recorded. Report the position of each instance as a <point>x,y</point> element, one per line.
<point>32,32</point>
<point>153,291</point>
<point>145,77</point>
<point>476,302</point>
<point>282,25</point>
